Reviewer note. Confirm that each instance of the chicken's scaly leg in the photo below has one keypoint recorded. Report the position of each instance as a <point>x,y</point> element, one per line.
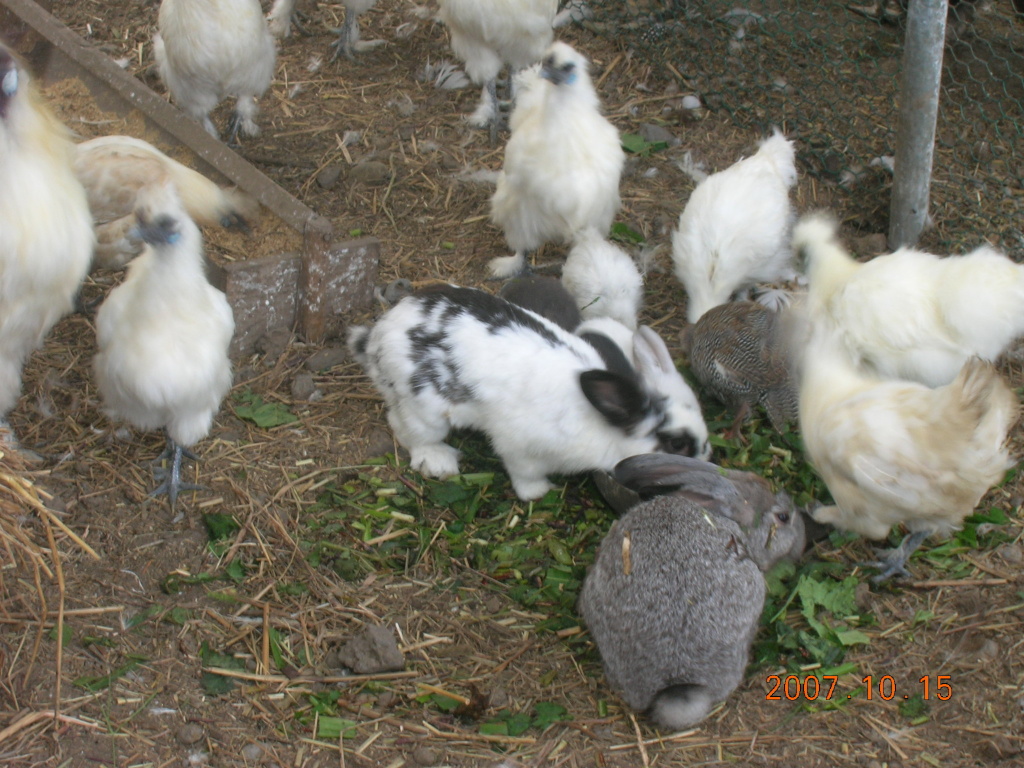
<point>171,476</point>
<point>893,562</point>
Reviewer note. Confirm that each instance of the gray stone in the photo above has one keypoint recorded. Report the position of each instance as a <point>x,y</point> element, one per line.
<point>329,176</point>
<point>372,651</point>
<point>370,172</point>
<point>303,387</point>
<point>326,358</point>
<point>190,733</point>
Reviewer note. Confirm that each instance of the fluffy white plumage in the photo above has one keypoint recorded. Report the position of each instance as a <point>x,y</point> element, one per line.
<point>489,34</point>
<point>209,50</point>
<point>734,230</point>
<point>163,333</point>
<point>896,452</point>
<point>114,169</point>
<point>46,236</point>
<point>910,314</point>
<point>603,279</point>
<point>562,162</point>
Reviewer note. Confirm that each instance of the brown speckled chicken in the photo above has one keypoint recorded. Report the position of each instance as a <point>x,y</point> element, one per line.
<point>736,352</point>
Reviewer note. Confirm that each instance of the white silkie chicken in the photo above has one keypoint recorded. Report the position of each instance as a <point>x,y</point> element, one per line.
<point>562,162</point>
<point>163,336</point>
<point>602,279</point>
<point>489,34</point>
<point>898,452</point>
<point>46,236</point>
<point>209,50</point>
<point>115,169</point>
<point>909,314</point>
<point>734,230</point>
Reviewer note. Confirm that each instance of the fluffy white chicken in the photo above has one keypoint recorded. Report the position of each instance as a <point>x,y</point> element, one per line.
<point>163,335</point>
<point>489,34</point>
<point>114,169</point>
<point>910,314</point>
<point>209,50</point>
<point>46,236</point>
<point>603,279</point>
<point>734,230</point>
<point>895,452</point>
<point>562,162</point>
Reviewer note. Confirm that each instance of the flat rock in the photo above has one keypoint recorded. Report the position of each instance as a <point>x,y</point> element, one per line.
<point>326,358</point>
<point>370,172</point>
<point>372,651</point>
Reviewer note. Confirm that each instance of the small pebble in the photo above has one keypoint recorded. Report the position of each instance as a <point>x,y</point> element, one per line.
<point>326,358</point>
<point>1011,553</point>
<point>370,172</point>
<point>329,176</point>
<point>424,756</point>
<point>190,733</point>
<point>303,387</point>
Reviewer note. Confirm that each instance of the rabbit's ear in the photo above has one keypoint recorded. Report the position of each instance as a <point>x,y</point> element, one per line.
<point>619,399</point>
<point>701,482</point>
<point>651,355</point>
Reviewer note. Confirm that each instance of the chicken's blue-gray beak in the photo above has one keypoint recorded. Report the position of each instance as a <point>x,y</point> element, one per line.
<point>563,73</point>
<point>8,80</point>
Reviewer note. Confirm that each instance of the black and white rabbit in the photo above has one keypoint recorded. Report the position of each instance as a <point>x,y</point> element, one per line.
<point>676,591</point>
<point>450,357</point>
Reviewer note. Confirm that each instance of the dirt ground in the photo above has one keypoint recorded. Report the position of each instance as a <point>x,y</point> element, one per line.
<point>136,614</point>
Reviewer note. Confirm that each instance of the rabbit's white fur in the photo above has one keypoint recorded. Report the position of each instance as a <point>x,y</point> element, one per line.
<point>653,361</point>
<point>457,357</point>
<point>734,230</point>
<point>603,279</point>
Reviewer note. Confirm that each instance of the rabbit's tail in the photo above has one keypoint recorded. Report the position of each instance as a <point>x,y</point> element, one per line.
<point>680,706</point>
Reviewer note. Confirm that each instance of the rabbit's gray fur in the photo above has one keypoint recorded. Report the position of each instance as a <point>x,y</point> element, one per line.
<point>675,632</point>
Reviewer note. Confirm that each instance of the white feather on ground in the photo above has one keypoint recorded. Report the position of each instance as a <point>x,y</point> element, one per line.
<point>603,279</point>
<point>210,50</point>
<point>489,34</point>
<point>46,235</point>
<point>562,162</point>
<point>163,334</point>
<point>910,314</point>
<point>114,169</point>
<point>895,452</point>
<point>734,230</point>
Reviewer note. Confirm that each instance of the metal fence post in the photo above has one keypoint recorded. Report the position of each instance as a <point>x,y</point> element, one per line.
<point>918,111</point>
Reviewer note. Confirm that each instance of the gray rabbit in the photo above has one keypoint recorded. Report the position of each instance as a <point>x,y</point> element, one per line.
<point>675,594</point>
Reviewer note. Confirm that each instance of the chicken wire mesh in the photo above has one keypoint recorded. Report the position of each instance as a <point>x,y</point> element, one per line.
<point>829,72</point>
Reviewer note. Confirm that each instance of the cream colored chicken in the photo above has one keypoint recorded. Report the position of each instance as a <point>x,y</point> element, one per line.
<point>490,34</point>
<point>163,335</point>
<point>46,236</point>
<point>210,50</point>
<point>910,314</point>
<point>897,452</point>
<point>114,169</point>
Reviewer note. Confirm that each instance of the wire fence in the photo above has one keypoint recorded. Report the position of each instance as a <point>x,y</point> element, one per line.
<point>830,73</point>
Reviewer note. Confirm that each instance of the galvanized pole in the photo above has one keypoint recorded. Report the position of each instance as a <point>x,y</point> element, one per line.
<point>919,108</point>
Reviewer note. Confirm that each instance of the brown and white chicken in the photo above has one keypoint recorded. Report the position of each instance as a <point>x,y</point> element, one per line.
<point>210,50</point>
<point>898,452</point>
<point>46,236</point>
<point>115,169</point>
